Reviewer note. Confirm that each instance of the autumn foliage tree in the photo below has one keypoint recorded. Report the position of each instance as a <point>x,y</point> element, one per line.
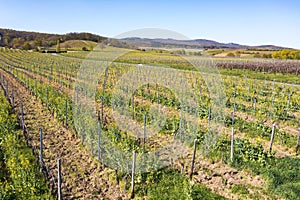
<point>287,54</point>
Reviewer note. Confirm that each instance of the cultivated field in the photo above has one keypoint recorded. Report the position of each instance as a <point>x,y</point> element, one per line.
<point>238,120</point>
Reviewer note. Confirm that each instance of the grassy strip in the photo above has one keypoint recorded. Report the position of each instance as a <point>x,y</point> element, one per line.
<point>170,184</point>
<point>282,174</point>
<point>19,177</point>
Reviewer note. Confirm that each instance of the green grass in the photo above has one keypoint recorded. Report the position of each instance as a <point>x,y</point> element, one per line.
<point>282,174</point>
<point>239,189</point>
<point>170,184</point>
<point>19,176</point>
<point>284,177</point>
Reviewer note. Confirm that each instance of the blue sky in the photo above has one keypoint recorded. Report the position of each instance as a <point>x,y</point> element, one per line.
<point>246,22</point>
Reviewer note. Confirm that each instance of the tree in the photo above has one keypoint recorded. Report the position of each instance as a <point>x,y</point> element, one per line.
<point>238,54</point>
<point>37,42</point>
<point>256,55</point>
<point>267,55</point>
<point>58,46</point>
<point>230,54</point>
<point>287,54</point>
<point>18,42</point>
<point>26,46</point>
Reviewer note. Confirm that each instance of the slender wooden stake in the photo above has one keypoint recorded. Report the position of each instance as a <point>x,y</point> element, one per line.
<point>47,94</point>
<point>22,116</point>
<point>272,136</point>
<point>145,131</point>
<point>297,145</point>
<point>193,159</point>
<point>132,175</point>
<point>148,85</point>
<point>180,123</point>
<point>132,106</point>
<point>35,88</point>
<point>92,147</point>
<point>234,92</point>
<point>51,74</point>
<point>289,100</point>
<point>59,180</point>
<point>67,126</point>
<point>99,144</point>
<point>232,144</point>
<point>41,77</point>
<point>41,148</point>
<point>12,101</point>
<point>116,172</point>
<point>102,111</point>
<point>76,96</point>
<point>232,118</point>
<point>60,85</point>
<point>82,138</point>
<point>200,93</point>
<point>6,90</point>
<point>209,110</point>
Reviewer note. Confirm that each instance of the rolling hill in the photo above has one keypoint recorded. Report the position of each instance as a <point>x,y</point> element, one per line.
<point>35,40</point>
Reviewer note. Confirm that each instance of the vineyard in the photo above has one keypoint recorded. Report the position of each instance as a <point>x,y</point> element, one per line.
<point>236,133</point>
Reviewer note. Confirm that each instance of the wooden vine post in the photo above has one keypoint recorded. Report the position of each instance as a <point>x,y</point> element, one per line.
<point>59,180</point>
<point>289,100</point>
<point>209,116</point>
<point>47,94</point>
<point>145,131</point>
<point>60,85</point>
<point>200,93</point>
<point>232,139</point>
<point>102,109</point>
<point>67,126</point>
<point>83,137</point>
<point>6,89</point>
<point>132,106</point>
<point>116,173</point>
<point>193,159</point>
<point>41,148</point>
<point>254,104</point>
<point>180,123</point>
<point>298,140</point>
<point>232,144</point>
<point>132,175</point>
<point>12,101</point>
<point>272,136</point>
<point>22,116</point>
<point>99,142</point>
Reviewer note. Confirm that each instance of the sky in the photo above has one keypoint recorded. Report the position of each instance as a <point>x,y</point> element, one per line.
<point>251,22</point>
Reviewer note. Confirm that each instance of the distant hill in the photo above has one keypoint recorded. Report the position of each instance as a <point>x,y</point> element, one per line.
<point>35,40</point>
<point>31,40</point>
<point>192,44</point>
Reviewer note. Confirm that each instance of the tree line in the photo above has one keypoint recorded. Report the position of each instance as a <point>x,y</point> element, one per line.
<point>287,54</point>
<point>35,40</point>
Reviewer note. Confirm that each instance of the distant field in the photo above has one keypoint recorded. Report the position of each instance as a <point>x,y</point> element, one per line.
<point>77,45</point>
